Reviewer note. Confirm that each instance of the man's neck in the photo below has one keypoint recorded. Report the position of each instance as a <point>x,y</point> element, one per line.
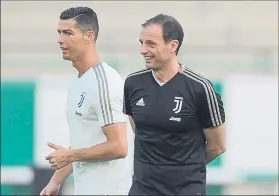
<point>167,72</point>
<point>86,63</point>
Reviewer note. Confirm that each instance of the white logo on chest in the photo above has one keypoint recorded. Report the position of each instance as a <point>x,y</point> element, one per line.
<point>175,119</point>
<point>178,106</point>
<point>140,102</point>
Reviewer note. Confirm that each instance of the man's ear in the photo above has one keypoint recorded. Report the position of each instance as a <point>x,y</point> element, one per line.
<point>173,46</point>
<point>89,36</point>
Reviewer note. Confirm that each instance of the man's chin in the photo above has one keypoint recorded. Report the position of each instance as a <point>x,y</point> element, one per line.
<point>66,57</point>
<point>149,65</point>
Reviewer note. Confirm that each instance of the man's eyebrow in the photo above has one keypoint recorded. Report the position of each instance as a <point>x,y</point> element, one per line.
<point>147,41</point>
<point>150,42</point>
<point>64,30</point>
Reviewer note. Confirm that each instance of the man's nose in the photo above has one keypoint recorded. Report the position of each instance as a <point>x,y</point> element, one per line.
<point>60,39</point>
<point>143,49</point>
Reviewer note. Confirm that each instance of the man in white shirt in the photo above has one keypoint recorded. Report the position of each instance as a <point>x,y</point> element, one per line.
<point>94,110</point>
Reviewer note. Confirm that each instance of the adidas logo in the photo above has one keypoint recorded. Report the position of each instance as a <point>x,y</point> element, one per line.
<point>140,102</point>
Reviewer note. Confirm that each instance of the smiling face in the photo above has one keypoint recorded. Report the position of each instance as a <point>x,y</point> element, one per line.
<point>72,41</point>
<point>155,50</point>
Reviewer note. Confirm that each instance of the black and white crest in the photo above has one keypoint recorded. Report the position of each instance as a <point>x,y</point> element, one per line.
<point>178,106</point>
<point>81,99</point>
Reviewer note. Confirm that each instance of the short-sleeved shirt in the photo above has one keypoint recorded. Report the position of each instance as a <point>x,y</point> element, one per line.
<point>169,152</point>
<point>94,101</point>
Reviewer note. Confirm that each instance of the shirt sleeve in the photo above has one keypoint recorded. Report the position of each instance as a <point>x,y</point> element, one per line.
<point>211,112</point>
<point>126,100</point>
<point>110,104</point>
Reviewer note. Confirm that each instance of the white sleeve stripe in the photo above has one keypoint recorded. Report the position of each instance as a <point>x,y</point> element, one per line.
<point>208,99</point>
<point>103,94</point>
<point>145,70</point>
<point>213,95</point>
<point>210,94</point>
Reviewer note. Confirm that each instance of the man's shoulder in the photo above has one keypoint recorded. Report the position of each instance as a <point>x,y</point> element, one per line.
<point>108,69</point>
<point>105,73</point>
<point>137,75</point>
<point>196,79</point>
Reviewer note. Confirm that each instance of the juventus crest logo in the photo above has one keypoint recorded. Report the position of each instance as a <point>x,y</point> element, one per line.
<point>81,99</point>
<point>178,101</point>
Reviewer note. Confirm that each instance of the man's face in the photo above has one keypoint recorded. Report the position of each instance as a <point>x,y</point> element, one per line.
<point>154,49</point>
<point>71,40</point>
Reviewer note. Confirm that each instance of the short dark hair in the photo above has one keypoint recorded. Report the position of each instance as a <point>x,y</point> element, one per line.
<point>172,30</point>
<point>85,18</point>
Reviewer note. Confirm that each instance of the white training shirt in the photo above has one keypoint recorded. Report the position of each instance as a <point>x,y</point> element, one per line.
<point>95,100</point>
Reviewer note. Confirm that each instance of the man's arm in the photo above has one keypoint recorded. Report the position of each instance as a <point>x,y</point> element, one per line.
<point>60,175</point>
<point>132,123</point>
<point>127,109</point>
<point>116,146</point>
<point>211,115</point>
<point>113,124</point>
<point>215,142</point>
